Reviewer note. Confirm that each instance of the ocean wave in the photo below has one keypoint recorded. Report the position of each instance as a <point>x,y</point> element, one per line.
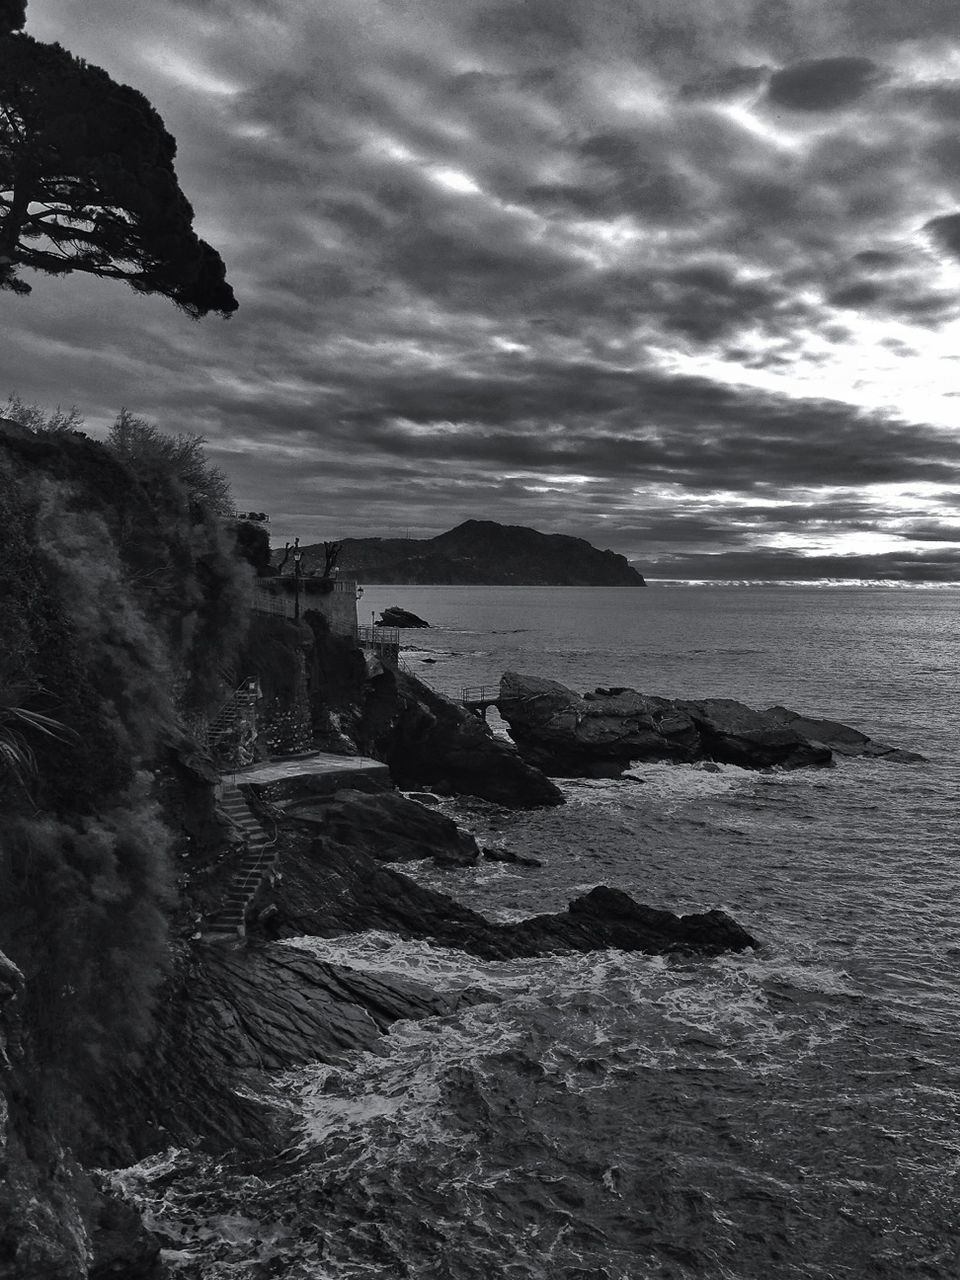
<point>659,782</point>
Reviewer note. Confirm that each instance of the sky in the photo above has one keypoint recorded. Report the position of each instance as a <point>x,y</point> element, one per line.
<point>681,277</point>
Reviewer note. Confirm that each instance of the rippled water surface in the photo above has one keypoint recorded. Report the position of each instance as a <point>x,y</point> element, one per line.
<point>793,1113</point>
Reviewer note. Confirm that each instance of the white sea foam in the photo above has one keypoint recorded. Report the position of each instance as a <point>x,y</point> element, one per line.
<point>661,783</point>
<point>442,968</point>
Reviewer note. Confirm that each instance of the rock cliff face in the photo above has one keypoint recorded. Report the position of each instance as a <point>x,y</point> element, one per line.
<point>371,708</point>
<point>428,740</point>
<point>484,552</point>
<point>599,733</point>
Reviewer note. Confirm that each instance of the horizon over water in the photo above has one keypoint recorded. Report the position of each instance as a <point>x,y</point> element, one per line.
<point>792,1114</point>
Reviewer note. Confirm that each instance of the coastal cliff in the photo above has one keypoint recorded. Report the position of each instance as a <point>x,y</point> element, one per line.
<point>482,552</point>
<point>123,1027</point>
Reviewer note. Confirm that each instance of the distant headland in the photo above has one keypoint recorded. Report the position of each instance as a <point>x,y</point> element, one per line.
<point>482,553</point>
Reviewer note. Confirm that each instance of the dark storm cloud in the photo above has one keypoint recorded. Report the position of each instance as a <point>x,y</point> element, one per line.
<point>823,84</point>
<point>876,260</point>
<point>945,230</point>
<point>529,260</point>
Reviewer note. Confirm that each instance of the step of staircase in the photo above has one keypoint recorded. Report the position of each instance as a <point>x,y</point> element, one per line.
<point>224,920</point>
<point>250,869</point>
<point>256,835</point>
<point>237,813</point>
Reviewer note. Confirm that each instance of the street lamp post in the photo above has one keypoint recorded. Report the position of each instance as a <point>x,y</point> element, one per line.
<point>297,555</point>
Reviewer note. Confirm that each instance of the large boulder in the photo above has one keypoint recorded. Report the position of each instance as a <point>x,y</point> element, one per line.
<point>394,616</point>
<point>600,733</point>
<point>389,827</point>
<point>595,735</point>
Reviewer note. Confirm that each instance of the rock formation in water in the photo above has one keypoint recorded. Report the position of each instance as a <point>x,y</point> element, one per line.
<point>394,616</point>
<point>428,740</point>
<point>480,552</point>
<point>600,733</point>
<point>840,738</point>
<point>330,884</point>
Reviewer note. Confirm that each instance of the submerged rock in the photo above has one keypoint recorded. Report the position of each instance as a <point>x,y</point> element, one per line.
<point>600,733</point>
<point>494,854</point>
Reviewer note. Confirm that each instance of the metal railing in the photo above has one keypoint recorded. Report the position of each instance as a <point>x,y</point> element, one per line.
<point>474,693</point>
<point>378,637</point>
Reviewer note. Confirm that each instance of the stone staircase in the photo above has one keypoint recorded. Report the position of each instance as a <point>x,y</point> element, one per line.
<point>230,733</point>
<point>255,861</point>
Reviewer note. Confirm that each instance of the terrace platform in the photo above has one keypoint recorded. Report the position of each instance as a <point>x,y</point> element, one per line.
<point>318,772</point>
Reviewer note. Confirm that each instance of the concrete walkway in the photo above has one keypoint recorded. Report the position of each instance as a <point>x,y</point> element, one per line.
<point>318,764</point>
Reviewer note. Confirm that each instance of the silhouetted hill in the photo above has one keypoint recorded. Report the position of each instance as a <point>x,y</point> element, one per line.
<point>482,552</point>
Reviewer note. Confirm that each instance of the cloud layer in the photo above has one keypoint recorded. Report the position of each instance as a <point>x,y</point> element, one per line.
<point>679,278</point>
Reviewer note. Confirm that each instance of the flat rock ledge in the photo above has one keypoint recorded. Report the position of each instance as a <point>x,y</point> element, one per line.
<point>599,734</point>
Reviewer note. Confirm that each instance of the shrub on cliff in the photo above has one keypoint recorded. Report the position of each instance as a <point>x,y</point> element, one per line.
<point>123,600</point>
<point>86,904</point>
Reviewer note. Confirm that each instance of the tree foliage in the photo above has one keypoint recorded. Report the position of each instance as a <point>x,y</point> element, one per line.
<point>123,598</point>
<point>87,181</point>
<point>12,15</point>
<point>35,418</point>
<point>153,453</point>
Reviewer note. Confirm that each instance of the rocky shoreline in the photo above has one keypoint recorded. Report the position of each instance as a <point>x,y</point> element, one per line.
<point>235,1013</point>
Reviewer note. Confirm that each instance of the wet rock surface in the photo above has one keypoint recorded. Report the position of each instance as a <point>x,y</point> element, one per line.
<point>241,1012</point>
<point>327,887</point>
<point>599,733</point>
<point>122,1247</point>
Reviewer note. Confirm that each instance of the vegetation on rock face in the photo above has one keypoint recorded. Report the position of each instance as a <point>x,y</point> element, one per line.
<point>87,181</point>
<point>123,600</point>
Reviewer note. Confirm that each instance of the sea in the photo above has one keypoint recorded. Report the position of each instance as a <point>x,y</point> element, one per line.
<point>788,1113</point>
